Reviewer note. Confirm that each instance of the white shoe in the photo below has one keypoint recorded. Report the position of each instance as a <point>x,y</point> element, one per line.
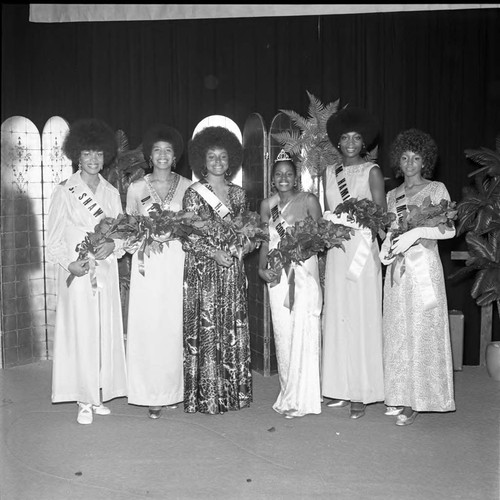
<point>101,410</point>
<point>393,410</point>
<point>84,414</point>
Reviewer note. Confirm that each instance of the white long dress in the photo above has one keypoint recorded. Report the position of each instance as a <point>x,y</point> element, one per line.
<point>89,350</point>
<point>154,331</point>
<point>418,366</point>
<point>297,333</point>
<point>352,366</point>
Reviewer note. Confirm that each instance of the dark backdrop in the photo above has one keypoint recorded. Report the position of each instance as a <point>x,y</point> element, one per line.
<point>435,70</point>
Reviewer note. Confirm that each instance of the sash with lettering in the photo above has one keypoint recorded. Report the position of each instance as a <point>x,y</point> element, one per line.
<point>219,208</point>
<point>280,224</point>
<point>415,260</point>
<point>84,196</point>
<point>211,198</point>
<point>341,182</point>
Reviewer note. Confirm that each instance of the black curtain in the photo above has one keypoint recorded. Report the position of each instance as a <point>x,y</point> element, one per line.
<point>435,70</point>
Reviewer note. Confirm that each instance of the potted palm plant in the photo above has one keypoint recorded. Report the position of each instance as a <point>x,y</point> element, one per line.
<point>479,220</point>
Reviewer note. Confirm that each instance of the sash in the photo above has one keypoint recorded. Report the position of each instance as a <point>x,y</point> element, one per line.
<point>84,196</point>
<point>211,198</point>
<point>147,203</point>
<point>277,220</point>
<point>416,261</point>
<point>401,205</point>
<point>341,182</point>
<point>280,224</point>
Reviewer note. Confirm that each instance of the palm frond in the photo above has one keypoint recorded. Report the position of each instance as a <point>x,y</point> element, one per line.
<point>122,140</point>
<point>484,156</point>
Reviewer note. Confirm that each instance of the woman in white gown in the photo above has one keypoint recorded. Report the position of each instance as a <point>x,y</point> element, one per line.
<point>418,367</point>
<point>296,325</point>
<point>89,353</point>
<point>352,368</point>
<point>154,333</point>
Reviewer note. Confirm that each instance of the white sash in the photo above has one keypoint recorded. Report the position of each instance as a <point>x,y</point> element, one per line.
<point>341,182</point>
<point>401,206</point>
<point>211,198</point>
<point>84,196</point>
<point>277,220</point>
<point>415,260</point>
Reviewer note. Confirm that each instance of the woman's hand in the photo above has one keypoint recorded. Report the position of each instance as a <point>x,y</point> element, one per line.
<point>104,250</point>
<point>405,241</point>
<point>79,267</point>
<point>248,247</point>
<point>268,275</point>
<point>223,258</point>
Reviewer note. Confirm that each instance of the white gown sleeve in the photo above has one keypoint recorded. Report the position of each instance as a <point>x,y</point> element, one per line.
<point>57,247</point>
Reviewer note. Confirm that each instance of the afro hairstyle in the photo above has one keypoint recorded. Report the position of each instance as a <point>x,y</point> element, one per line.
<point>160,132</point>
<point>353,120</point>
<point>211,137</point>
<point>90,134</point>
<point>416,141</point>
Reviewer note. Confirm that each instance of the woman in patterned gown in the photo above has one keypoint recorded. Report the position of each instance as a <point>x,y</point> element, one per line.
<point>418,368</point>
<point>352,368</point>
<point>154,333</point>
<point>297,326</point>
<point>217,374</point>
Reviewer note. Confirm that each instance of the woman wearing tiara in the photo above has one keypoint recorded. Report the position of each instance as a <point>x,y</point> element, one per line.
<point>352,368</point>
<point>296,324</point>
<point>217,374</point>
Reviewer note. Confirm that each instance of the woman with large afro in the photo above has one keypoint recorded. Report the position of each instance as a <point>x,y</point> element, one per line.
<point>352,314</point>
<point>217,374</point>
<point>154,331</point>
<point>89,353</point>
<point>418,368</point>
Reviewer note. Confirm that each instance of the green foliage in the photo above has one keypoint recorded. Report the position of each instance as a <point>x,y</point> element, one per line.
<point>479,219</point>
<point>310,144</point>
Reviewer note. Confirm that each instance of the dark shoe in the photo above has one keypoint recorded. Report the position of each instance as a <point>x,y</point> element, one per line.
<point>357,410</point>
<point>154,413</point>
<point>404,420</point>
<point>337,403</point>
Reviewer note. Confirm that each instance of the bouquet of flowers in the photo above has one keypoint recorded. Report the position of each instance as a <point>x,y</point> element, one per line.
<point>162,226</point>
<point>366,213</point>
<point>305,239</point>
<point>428,214</point>
<point>232,235</point>
<point>108,228</point>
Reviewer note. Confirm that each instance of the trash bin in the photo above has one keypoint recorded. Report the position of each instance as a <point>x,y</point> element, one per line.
<point>457,338</point>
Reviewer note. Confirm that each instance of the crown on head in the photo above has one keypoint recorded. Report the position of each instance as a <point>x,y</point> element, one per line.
<point>282,156</point>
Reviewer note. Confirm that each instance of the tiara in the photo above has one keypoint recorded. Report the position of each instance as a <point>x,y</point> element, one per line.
<point>283,156</point>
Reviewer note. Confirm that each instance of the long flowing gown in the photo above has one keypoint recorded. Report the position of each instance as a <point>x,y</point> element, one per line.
<point>352,365</point>
<point>89,351</point>
<point>297,332</point>
<point>154,332</point>
<point>217,373</point>
<point>418,367</point>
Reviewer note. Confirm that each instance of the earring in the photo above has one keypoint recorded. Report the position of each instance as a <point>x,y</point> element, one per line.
<point>79,166</point>
<point>228,173</point>
<point>204,171</point>
<point>150,162</point>
<point>174,164</point>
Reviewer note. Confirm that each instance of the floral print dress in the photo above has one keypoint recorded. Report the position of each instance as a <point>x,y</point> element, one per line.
<point>217,373</point>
